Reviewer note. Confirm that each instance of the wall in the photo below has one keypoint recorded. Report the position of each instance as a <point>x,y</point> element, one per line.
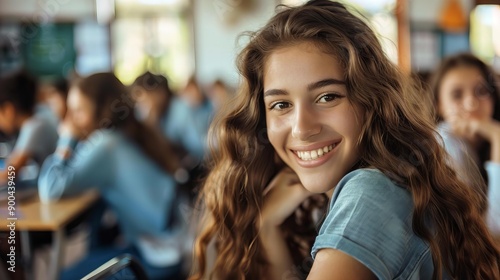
<point>47,10</point>
<point>427,11</point>
<point>216,34</point>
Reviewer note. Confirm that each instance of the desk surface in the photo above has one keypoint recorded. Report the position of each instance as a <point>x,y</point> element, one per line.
<point>33,215</point>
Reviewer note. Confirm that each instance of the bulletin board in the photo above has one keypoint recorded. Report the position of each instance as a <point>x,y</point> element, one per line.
<point>48,49</point>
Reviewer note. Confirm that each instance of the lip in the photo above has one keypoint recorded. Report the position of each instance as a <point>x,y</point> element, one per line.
<point>319,161</point>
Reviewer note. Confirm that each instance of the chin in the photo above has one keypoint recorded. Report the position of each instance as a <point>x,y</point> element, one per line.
<point>317,187</point>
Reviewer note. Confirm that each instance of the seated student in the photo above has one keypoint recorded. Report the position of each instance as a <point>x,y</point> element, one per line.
<point>159,107</point>
<point>467,99</point>
<point>104,147</point>
<point>218,94</point>
<point>319,92</point>
<point>36,134</point>
<point>56,95</point>
<point>199,106</point>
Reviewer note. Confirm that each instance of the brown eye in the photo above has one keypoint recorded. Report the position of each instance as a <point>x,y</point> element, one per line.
<point>280,106</point>
<point>482,92</point>
<point>457,94</point>
<point>329,97</point>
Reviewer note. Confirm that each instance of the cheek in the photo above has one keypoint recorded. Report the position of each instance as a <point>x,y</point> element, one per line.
<point>276,131</point>
<point>491,109</point>
<point>447,107</point>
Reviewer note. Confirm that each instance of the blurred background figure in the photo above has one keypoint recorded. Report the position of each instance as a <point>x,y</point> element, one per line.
<point>219,94</point>
<point>467,99</point>
<point>34,135</point>
<point>56,93</point>
<point>103,146</point>
<point>184,124</point>
<point>200,111</point>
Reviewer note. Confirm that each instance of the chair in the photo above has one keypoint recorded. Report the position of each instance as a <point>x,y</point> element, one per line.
<point>122,267</point>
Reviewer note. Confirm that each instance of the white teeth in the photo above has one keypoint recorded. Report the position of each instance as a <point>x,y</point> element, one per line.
<point>314,154</point>
<point>307,155</point>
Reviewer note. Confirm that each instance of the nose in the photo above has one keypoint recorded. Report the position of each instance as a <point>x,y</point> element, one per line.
<point>470,103</point>
<point>306,123</point>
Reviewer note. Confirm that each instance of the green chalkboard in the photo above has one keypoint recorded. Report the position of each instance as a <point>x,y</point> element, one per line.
<point>48,49</point>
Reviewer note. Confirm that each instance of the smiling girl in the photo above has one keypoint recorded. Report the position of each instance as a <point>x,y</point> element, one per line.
<point>350,124</point>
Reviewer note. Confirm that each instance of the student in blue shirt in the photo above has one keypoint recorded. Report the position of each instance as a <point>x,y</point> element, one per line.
<point>36,134</point>
<point>319,93</point>
<point>103,146</point>
<point>467,99</point>
<point>184,124</point>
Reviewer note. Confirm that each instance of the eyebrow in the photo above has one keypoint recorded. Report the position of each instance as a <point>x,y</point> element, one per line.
<point>310,87</point>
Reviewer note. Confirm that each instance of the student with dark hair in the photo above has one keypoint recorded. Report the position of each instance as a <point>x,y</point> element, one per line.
<point>159,107</point>
<point>103,146</point>
<point>36,135</point>
<point>467,100</point>
<point>56,95</point>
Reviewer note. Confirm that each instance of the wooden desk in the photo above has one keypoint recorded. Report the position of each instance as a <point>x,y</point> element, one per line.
<point>33,215</point>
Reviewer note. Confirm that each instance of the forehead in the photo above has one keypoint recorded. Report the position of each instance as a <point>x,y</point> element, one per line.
<point>463,75</point>
<point>76,98</point>
<point>300,63</point>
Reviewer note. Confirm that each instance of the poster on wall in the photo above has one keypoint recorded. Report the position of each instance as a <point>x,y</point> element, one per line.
<point>425,46</point>
<point>49,50</point>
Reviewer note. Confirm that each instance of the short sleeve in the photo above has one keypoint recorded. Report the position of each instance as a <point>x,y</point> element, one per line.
<point>370,220</point>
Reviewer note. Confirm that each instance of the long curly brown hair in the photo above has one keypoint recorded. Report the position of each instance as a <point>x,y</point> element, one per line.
<point>398,138</point>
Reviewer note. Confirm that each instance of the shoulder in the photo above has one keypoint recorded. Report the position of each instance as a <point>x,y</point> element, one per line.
<point>367,202</point>
<point>370,219</point>
<point>372,186</point>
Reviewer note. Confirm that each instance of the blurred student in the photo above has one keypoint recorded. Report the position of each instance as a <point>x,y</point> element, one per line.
<point>175,117</point>
<point>104,147</point>
<point>36,134</point>
<point>200,107</point>
<point>467,99</point>
<point>56,94</point>
<point>218,94</point>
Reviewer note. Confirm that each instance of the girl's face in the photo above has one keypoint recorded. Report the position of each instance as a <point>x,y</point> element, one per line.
<point>464,93</point>
<point>310,123</point>
<point>81,111</point>
<point>57,103</point>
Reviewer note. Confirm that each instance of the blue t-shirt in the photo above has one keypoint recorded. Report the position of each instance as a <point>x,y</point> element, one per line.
<point>138,190</point>
<point>38,137</point>
<point>370,219</point>
<point>187,126</point>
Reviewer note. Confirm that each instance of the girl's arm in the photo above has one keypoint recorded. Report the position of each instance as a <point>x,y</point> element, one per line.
<point>491,132</point>
<point>285,194</point>
<point>69,170</point>
<point>334,264</point>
